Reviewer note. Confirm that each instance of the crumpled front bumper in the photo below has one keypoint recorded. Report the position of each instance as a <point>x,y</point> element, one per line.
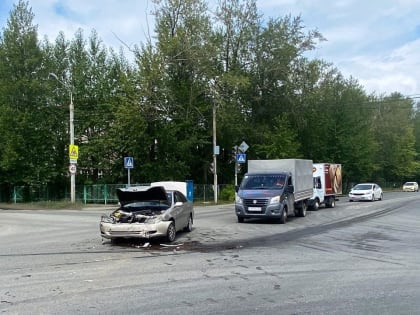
<point>133,230</point>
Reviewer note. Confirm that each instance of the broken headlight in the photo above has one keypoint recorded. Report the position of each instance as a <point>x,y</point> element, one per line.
<point>107,219</point>
<point>153,220</point>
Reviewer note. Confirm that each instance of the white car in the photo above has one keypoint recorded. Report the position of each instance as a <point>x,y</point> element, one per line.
<point>148,212</point>
<point>411,186</point>
<point>366,192</point>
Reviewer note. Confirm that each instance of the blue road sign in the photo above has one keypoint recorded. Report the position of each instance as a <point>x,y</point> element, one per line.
<point>128,162</point>
<point>241,158</point>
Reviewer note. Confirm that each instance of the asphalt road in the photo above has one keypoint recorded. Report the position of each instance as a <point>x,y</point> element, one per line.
<point>357,258</point>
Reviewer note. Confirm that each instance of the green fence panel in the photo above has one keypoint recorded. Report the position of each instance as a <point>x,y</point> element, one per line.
<point>101,193</point>
<point>98,193</point>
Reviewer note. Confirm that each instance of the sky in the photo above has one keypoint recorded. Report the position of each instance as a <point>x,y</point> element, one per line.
<point>376,42</point>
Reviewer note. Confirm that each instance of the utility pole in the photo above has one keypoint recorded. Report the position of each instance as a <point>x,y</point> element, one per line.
<point>214,153</point>
<point>71,131</point>
<point>72,174</point>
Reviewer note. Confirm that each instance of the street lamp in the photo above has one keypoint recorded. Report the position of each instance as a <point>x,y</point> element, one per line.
<point>214,153</point>
<point>213,91</point>
<point>72,173</point>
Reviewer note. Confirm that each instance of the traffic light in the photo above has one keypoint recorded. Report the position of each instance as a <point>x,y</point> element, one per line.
<point>233,154</point>
<point>211,167</point>
<point>238,167</point>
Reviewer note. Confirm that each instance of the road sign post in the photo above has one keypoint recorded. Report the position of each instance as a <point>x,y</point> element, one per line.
<point>128,164</point>
<point>73,156</point>
<point>240,157</point>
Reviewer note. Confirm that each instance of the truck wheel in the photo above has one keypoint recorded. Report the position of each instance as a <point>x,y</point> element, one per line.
<point>283,217</point>
<point>315,205</point>
<point>240,220</point>
<point>330,203</point>
<point>302,209</point>
<point>115,241</point>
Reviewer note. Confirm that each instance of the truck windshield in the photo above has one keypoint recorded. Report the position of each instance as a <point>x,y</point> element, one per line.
<point>263,182</point>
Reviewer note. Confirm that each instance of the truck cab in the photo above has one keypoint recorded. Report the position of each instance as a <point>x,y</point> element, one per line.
<point>266,195</point>
<point>327,184</point>
<point>273,189</point>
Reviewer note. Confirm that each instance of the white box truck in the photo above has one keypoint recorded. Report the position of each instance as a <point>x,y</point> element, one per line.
<point>274,189</point>
<point>327,181</point>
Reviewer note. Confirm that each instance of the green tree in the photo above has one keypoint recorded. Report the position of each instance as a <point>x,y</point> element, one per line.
<point>26,130</point>
<point>173,89</point>
<point>394,131</point>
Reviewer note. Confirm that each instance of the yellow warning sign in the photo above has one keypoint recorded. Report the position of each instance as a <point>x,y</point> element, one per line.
<point>73,151</point>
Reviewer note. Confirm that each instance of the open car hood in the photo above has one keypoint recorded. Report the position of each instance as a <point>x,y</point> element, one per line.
<point>142,193</point>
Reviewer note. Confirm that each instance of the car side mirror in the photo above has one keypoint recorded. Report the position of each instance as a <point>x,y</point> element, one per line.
<point>178,204</point>
<point>237,188</point>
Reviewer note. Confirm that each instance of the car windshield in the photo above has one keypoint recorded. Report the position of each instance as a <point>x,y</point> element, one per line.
<point>409,184</point>
<point>263,182</point>
<point>363,187</point>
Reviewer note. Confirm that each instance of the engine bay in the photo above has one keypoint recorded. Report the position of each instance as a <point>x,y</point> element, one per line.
<point>135,216</point>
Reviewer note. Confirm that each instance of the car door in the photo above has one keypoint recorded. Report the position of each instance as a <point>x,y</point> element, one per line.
<point>180,212</point>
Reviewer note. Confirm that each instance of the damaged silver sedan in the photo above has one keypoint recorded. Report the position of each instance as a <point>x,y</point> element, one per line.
<point>148,212</point>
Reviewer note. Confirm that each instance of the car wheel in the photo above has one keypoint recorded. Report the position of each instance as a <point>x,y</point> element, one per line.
<point>240,220</point>
<point>171,232</point>
<point>188,228</point>
<point>283,217</point>
<point>381,197</point>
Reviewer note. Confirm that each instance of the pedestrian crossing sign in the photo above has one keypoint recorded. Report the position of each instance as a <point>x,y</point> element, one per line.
<point>241,158</point>
<point>73,152</point>
<point>128,162</point>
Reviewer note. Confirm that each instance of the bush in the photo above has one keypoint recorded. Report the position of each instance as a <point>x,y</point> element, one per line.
<point>227,193</point>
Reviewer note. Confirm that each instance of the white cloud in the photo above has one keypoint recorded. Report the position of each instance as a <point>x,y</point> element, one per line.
<point>114,20</point>
<point>397,70</point>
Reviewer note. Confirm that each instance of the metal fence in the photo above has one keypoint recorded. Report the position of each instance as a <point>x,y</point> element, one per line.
<point>97,194</point>
<point>106,193</point>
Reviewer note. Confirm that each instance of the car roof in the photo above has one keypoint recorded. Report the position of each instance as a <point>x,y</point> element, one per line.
<point>141,193</point>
